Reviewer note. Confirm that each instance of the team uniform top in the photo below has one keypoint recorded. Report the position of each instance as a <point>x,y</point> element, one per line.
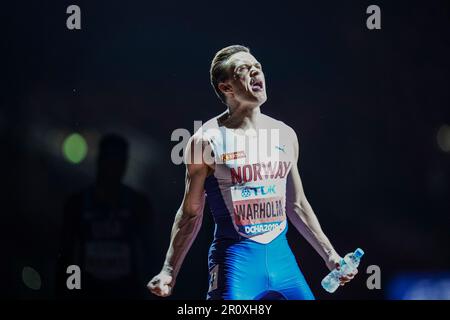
<point>247,192</point>
<point>250,257</point>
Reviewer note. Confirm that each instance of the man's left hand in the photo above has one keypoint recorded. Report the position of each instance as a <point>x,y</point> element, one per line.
<point>334,261</point>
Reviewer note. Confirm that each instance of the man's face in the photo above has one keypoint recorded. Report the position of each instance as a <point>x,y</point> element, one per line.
<point>246,81</point>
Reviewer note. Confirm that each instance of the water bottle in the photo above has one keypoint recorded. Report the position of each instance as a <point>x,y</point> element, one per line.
<point>348,265</point>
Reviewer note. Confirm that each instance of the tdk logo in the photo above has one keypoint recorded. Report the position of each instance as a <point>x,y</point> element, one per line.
<point>255,191</point>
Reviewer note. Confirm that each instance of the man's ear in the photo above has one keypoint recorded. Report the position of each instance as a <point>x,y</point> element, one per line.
<point>225,87</point>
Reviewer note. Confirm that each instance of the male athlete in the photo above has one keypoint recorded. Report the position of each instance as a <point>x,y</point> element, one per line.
<point>250,195</point>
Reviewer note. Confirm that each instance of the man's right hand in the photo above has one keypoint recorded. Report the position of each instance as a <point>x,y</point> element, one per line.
<point>161,284</point>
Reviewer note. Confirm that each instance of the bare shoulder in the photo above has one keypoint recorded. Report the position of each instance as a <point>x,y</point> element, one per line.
<point>194,156</point>
<point>199,151</point>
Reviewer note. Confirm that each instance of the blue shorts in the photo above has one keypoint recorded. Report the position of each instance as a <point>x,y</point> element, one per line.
<point>248,270</point>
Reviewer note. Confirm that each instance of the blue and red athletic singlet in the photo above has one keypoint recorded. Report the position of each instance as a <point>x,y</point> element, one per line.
<point>250,257</point>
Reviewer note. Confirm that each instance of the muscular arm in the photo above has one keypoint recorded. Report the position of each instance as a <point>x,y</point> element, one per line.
<point>303,217</point>
<point>188,220</point>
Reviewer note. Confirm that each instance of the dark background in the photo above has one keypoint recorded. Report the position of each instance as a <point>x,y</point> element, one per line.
<point>367,106</point>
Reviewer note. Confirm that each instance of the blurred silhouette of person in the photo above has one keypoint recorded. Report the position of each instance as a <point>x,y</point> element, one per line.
<point>106,231</point>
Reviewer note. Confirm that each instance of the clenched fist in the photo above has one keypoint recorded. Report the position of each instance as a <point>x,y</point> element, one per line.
<point>162,284</point>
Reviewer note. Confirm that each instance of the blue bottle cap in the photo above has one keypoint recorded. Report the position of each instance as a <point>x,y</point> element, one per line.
<point>358,253</point>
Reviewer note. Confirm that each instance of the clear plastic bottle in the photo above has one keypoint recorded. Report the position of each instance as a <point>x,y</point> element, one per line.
<point>348,265</point>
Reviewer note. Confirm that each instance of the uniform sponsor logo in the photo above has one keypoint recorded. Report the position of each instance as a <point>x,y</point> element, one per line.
<point>233,156</point>
<point>256,191</point>
<point>281,148</point>
<point>213,278</point>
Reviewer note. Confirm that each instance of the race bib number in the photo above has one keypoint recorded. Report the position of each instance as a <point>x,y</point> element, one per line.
<point>258,207</point>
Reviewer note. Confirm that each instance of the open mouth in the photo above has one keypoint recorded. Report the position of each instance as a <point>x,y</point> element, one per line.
<point>256,85</point>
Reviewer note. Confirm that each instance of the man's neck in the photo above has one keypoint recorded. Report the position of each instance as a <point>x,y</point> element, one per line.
<point>240,117</point>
